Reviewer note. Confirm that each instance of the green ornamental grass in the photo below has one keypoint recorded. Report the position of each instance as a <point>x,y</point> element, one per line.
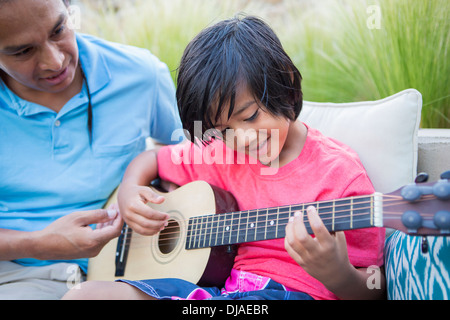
<point>347,50</point>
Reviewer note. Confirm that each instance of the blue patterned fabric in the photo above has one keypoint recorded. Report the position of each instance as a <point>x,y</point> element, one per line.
<point>414,275</point>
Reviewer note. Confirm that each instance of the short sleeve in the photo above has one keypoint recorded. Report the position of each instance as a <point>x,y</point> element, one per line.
<point>165,123</point>
<point>174,166</point>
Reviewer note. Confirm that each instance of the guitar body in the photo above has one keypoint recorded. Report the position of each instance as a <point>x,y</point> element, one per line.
<point>164,255</point>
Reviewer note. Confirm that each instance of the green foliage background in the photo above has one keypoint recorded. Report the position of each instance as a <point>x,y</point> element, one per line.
<point>346,50</point>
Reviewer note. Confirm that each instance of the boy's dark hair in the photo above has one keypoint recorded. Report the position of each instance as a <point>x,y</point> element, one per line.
<point>238,50</point>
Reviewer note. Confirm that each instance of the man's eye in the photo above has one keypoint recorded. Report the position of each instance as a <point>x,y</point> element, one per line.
<point>23,52</point>
<point>59,31</point>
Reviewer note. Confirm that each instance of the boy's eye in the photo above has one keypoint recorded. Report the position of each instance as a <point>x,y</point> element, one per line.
<point>218,134</point>
<point>253,117</point>
<point>224,131</point>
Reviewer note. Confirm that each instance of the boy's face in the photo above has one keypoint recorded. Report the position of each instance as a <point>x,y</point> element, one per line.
<point>38,49</point>
<point>252,130</point>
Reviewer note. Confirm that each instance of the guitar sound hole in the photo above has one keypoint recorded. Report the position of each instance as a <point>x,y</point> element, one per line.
<point>168,238</point>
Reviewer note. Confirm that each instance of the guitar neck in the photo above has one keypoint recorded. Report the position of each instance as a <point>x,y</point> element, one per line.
<point>270,223</point>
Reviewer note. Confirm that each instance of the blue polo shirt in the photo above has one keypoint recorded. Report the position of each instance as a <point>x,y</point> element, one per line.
<point>47,167</point>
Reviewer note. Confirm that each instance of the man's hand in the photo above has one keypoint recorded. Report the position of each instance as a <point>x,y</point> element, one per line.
<point>72,236</point>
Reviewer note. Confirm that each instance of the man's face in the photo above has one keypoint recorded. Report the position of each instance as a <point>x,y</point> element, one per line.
<point>38,49</point>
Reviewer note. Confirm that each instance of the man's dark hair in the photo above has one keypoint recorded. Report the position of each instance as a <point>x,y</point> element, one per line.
<point>241,50</point>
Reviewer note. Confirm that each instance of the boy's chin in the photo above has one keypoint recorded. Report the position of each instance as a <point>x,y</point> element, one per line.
<point>268,161</point>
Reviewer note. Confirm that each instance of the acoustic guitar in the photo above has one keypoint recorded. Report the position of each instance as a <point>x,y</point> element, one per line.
<point>198,245</point>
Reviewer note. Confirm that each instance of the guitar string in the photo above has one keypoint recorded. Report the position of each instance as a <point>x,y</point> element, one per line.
<point>262,227</point>
<point>213,238</point>
<point>202,223</point>
<point>213,235</point>
<point>258,212</point>
<point>202,232</point>
<point>259,230</point>
<point>234,236</point>
<point>227,217</point>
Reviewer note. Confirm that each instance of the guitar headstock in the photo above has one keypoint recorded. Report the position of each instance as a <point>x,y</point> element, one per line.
<point>419,208</point>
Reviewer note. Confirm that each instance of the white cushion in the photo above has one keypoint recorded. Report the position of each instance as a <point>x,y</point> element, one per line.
<point>382,132</point>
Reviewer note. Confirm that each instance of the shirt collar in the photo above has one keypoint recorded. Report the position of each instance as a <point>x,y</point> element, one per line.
<point>93,63</point>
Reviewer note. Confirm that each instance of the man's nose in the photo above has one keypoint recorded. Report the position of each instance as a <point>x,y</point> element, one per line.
<point>52,58</point>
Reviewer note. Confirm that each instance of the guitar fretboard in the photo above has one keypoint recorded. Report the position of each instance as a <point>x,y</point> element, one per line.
<point>270,223</point>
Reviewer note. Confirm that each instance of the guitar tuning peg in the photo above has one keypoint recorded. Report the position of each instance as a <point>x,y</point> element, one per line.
<point>442,190</point>
<point>412,220</point>
<point>442,220</point>
<point>414,191</point>
<point>445,175</point>
<point>411,192</point>
<point>421,177</point>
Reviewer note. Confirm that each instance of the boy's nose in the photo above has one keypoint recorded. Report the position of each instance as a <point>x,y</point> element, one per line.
<point>244,138</point>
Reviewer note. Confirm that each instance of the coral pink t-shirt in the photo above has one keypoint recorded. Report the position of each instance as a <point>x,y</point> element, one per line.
<point>325,169</point>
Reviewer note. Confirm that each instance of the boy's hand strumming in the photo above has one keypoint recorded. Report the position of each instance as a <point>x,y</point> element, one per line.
<point>141,218</point>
